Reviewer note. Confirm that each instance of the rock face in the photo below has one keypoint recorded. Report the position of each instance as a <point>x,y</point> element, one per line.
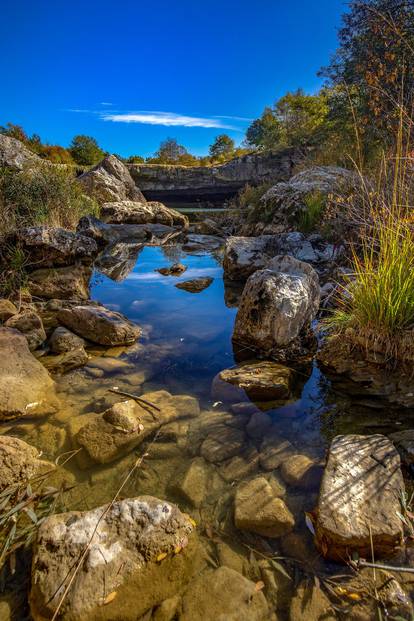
<point>14,154</point>
<point>196,285</point>
<point>257,510</point>
<point>62,283</point>
<point>30,325</point>
<point>26,389</point>
<point>19,462</point>
<point>212,183</point>
<point>245,255</point>
<point>99,325</point>
<point>259,380</point>
<point>276,304</point>
<point>359,497</point>
<point>140,548</point>
<point>110,181</point>
<point>51,246</point>
<point>134,212</point>
<point>223,594</point>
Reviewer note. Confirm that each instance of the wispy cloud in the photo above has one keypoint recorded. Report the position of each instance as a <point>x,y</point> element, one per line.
<point>106,103</point>
<point>168,119</point>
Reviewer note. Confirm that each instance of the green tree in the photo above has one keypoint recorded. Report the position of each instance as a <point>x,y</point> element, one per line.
<point>265,132</point>
<point>375,58</point>
<point>85,150</point>
<point>222,147</point>
<point>135,159</point>
<point>302,117</point>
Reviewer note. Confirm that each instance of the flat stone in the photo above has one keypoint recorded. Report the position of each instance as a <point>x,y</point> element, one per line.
<point>258,380</point>
<point>138,212</point>
<point>359,499</point>
<point>149,538</point>
<point>30,325</point>
<point>26,388</point>
<point>196,285</point>
<point>218,594</point>
<point>302,472</point>
<point>7,309</point>
<point>99,325</point>
<point>223,443</point>
<point>257,510</point>
<point>274,451</point>
<point>63,340</point>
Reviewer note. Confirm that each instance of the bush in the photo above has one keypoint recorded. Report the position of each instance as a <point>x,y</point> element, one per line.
<point>311,216</point>
<point>44,194</point>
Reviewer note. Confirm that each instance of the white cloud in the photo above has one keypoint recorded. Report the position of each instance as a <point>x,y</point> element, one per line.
<point>168,119</point>
<point>106,103</point>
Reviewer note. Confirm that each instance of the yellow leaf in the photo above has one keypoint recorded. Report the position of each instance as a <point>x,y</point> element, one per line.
<point>110,598</point>
<point>193,522</point>
<point>161,557</point>
<point>341,591</point>
<point>354,596</point>
<point>178,549</point>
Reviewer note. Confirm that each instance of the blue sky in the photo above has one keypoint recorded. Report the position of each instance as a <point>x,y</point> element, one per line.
<point>132,73</point>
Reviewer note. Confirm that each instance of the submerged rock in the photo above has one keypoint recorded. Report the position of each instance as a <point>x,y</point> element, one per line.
<point>110,181</point>
<point>99,325</point>
<point>245,255</point>
<point>174,270</point>
<point>258,380</point>
<point>223,594</point>
<point>141,551</point>
<point>274,451</point>
<point>134,212</point>
<point>311,603</point>
<point>302,472</point>
<point>26,388</point>
<point>66,361</point>
<point>359,498</point>
<point>19,462</point>
<point>62,283</point>
<point>222,443</point>
<point>52,246</point>
<point>196,285</point>
<point>30,325</point>
<point>256,509</point>
<point>191,484</point>
<point>404,443</point>
<point>276,304</point>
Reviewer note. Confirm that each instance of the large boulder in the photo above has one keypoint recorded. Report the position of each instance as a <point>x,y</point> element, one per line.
<point>46,246</point>
<point>359,501</point>
<point>110,181</point>
<point>26,389</point>
<point>287,199</point>
<point>62,283</point>
<point>99,325</point>
<point>276,304</point>
<point>7,309</point>
<point>19,462</point>
<point>245,255</point>
<point>258,380</point>
<point>14,154</point>
<point>139,552</point>
<point>30,325</point>
<point>223,594</point>
<point>138,212</point>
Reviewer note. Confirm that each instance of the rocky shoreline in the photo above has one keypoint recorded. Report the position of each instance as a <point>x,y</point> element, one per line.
<point>256,524</point>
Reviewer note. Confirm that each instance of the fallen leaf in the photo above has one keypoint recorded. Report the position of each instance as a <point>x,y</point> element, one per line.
<point>110,598</point>
<point>178,549</point>
<point>309,523</point>
<point>354,596</point>
<point>193,522</point>
<point>259,586</point>
<point>161,557</point>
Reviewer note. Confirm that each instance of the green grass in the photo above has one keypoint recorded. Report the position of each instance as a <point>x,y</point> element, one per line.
<point>311,216</point>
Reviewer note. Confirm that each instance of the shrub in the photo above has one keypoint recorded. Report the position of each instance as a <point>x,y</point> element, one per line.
<point>44,194</point>
<point>311,216</point>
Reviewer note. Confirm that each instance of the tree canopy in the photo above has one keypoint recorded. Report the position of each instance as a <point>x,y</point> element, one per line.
<point>85,150</point>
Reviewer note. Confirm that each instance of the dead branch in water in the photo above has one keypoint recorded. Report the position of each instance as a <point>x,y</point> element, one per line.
<point>136,398</point>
